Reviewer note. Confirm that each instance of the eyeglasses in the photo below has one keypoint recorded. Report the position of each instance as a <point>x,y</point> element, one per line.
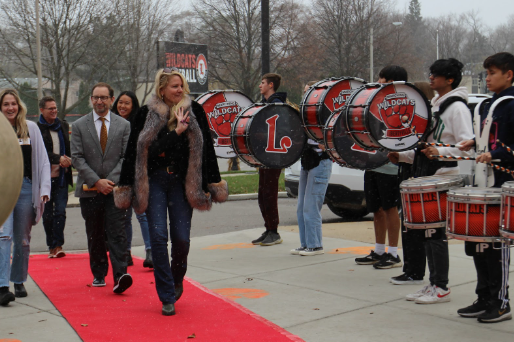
<point>169,70</point>
<point>96,98</point>
<point>51,109</point>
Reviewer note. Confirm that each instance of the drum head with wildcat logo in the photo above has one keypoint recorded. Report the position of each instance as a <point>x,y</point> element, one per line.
<point>398,116</point>
<point>221,108</point>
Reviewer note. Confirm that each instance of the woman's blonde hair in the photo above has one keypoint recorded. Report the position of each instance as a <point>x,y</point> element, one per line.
<point>21,118</point>
<point>425,89</point>
<point>161,80</point>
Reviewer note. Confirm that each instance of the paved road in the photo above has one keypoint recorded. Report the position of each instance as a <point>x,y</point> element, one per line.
<point>227,217</point>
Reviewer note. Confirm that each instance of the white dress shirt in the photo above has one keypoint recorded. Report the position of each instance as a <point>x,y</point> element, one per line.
<point>98,123</point>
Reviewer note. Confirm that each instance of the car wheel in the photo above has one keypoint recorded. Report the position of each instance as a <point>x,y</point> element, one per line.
<point>349,214</point>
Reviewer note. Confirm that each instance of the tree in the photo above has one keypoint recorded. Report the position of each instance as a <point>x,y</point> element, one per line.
<point>75,34</point>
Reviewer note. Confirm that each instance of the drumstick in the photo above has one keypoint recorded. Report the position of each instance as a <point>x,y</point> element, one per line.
<point>497,167</point>
<point>438,144</point>
<point>505,146</point>
<point>452,157</point>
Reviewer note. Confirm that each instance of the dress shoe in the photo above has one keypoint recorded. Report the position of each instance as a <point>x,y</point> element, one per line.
<point>6,296</point>
<point>179,289</point>
<point>130,262</point>
<point>148,261</point>
<point>168,309</point>
<point>58,252</point>
<point>19,290</point>
<point>122,283</point>
<point>98,282</point>
<point>51,254</point>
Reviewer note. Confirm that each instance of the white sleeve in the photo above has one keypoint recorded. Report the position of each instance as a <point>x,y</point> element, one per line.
<point>407,157</point>
<point>460,129</point>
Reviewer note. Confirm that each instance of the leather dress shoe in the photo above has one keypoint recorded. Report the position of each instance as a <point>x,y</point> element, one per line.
<point>19,290</point>
<point>148,261</point>
<point>6,296</point>
<point>168,309</point>
<point>179,289</point>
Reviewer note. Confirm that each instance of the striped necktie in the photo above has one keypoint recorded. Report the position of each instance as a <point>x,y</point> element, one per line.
<point>103,135</point>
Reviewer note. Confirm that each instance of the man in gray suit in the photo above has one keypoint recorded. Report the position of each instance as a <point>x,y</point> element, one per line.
<point>98,144</point>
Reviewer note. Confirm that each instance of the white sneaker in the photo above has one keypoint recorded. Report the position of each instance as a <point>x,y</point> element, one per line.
<point>312,251</point>
<point>413,296</point>
<point>437,295</point>
<point>297,251</point>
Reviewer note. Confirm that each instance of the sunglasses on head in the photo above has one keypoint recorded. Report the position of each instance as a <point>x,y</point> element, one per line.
<point>169,70</point>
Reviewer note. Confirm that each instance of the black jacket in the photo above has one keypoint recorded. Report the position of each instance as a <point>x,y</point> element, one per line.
<point>276,98</point>
<point>49,145</point>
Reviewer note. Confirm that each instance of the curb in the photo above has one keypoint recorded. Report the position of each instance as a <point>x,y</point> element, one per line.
<point>73,202</point>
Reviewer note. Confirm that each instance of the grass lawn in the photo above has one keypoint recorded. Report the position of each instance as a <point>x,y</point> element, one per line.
<point>243,184</point>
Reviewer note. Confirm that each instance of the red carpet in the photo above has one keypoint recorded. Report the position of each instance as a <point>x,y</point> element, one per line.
<point>98,315</point>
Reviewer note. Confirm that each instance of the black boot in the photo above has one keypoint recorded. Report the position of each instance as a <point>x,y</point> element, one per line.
<point>130,262</point>
<point>6,296</point>
<point>179,289</point>
<point>19,290</point>
<point>148,261</point>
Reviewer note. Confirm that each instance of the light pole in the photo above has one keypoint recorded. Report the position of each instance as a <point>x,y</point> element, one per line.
<point>38,48</point>
<point>437,44</point>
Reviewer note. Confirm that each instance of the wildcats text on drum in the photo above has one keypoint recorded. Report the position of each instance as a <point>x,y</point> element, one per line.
<point>469,208</point>
<point>397,112</point>
<point>427,197</point>
<point>221,118</point>
<point>340,100</point>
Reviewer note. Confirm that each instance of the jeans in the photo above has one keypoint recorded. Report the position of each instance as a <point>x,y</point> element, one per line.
<point>54,216</point>
<point>17,229</point>
<point>143,222</point>
<point>311,194</point>
<point>167,197</point>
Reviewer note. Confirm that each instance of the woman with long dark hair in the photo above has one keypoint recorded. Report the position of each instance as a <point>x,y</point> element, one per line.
<point>127,106</point>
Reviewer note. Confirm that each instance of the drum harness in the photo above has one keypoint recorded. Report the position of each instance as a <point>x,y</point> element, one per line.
<point>423,166</point>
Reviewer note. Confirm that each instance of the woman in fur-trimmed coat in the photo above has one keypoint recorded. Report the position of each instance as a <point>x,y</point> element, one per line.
<point>170,167</point>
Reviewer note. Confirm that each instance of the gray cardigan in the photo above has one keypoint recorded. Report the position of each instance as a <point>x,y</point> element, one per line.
<point>41,181</point>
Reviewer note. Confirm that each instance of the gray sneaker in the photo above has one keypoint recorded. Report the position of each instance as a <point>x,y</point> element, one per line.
<point>261,238</point>
<point>271,239</point>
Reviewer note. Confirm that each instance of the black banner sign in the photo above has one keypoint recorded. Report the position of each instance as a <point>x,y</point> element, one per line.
<point>190,59</point>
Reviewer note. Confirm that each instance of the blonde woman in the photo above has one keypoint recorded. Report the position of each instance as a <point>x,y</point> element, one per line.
<point>35,192</point>
<point>170,167</point>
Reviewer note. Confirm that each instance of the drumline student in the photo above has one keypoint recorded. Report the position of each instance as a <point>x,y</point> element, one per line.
<point>268,178</point>
<point>381,190</point>
<point>492,262</point>
<point>451,125</point>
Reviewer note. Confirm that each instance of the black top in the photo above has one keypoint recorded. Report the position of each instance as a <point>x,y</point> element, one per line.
<point>26,150</point>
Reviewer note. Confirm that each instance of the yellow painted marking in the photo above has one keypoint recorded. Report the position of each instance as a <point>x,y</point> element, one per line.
<point>230,246</point>
<point>235,293</point>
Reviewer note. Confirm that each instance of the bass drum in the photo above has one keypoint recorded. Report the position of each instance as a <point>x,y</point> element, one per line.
<point>322,99</point>
<point>268,135</point>
<point>343,150</point>
<point>393,116</point>
<point>221,108</point>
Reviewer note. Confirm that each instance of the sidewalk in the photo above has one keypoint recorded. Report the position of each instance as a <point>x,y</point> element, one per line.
<point>320,298</point>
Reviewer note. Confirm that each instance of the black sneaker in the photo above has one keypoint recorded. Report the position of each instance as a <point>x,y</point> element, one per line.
<point>261,238</point>
<point>478,307</point>
<point>388,261</point>
<point>6,296</point>
<point>20,291</point>
<point>495,314</point>
<point>404,279</point>
<point>122,283</point>
<point>368,259</point>
<point>271,239</point>
<point>98,282</point>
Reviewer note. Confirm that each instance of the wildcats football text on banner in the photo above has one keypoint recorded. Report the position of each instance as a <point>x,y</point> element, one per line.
<point>189,59</point>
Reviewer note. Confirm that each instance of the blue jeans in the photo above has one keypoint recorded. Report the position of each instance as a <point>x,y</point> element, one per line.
<point>167,197</point>
<point>143,222</point>
<point>17,229</point>
<point>311,194</point>
<point>54,216</point>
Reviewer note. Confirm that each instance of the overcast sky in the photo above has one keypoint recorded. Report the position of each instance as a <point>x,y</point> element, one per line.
<point>492,12</point>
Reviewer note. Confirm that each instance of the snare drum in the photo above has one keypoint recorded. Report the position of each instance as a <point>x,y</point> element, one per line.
<point>394,116</point>
<point>268,135</point>
<point>424,200</point>
<point>221,108</point>
<point>344,151</point>
<point>322,99</point>
<point>474,214</point>
<point>507,218</point>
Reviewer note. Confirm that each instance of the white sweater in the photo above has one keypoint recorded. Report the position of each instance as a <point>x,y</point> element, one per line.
<point>455,126</point>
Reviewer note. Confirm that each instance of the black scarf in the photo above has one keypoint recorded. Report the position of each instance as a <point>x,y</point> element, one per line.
<point>56,127</point>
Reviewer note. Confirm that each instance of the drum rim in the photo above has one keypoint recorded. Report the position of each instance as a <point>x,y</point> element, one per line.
<point>472,193</point>
<point>474,238</point>
<point>508,187</point>
<point>453,181</point>
<point>412,225</point>
<point>212,92</point>
<point>509,234</point>
<point>378,87</point>
<point>233,137</point>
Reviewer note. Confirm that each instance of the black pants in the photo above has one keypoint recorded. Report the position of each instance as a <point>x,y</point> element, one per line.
<point>492,267</point>
<point>438,258</point>
<point>414,255</point>
<point>268,196</point>
<point>104,220</point>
